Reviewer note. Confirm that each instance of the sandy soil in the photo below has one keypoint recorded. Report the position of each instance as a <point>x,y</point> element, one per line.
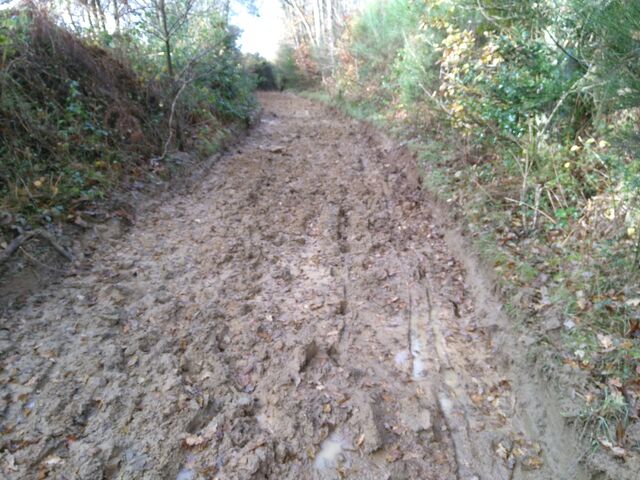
<point>301,314</point>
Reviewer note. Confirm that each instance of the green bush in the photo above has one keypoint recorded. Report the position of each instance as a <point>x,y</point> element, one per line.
<point>77,118</point>
<point>291,71</point>
<point>528,111</point>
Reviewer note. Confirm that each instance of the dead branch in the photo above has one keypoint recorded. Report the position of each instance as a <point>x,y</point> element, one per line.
<point>541,212</point>
<point>19,240</point>
<point>184,83</point>
<point>165,150</point>
<point>38,262</point>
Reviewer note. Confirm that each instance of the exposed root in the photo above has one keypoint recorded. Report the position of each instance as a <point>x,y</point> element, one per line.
<point>21,239</point>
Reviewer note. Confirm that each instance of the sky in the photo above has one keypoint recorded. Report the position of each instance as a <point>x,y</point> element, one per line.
<point>261,34</point>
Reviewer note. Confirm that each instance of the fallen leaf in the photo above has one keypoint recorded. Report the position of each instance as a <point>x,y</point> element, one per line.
<point>394,455</point>
<point>605,342</point>
<point>633,302</point>
<point>615,450</point>
<point>10,462</point>
<point>620,431</point>
<point>616,383</point>
<point>502,451</point>
<point>53,460</point>
<point>618,452</point>
<point>194,440</point>
<point>532,463</point>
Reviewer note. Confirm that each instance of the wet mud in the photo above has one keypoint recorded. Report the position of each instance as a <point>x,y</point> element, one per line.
<point>300,314</point>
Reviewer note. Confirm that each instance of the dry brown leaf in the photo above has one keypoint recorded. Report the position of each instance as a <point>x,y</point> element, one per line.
<point>606,342</point>
<point>394,455</point>
<point>614,449</point>
<point>633,302</point>
<point>194,440</point>
<point>532,463</point>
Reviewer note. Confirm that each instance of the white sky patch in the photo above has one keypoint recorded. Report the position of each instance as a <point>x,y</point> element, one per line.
<point>263,33</point>
<point>9,4</point>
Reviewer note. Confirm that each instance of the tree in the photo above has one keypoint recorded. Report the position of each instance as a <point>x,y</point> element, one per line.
<point>164,20</point>
<point>315,26</point>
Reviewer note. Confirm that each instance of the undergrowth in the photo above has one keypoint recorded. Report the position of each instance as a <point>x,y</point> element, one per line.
<point>530,143</point>
<point>84,114</point>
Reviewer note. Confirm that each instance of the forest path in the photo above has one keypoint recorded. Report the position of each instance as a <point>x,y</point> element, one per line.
<point>298,315</point>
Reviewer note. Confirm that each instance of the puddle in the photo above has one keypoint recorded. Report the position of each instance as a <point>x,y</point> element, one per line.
<point>330,451</point>
<point>416,352</point>
<point>402,357</point>
<point>186,474</point>
<point>446,404</point>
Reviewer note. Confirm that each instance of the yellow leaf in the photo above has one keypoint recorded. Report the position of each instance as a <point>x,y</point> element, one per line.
<point>610,214</point>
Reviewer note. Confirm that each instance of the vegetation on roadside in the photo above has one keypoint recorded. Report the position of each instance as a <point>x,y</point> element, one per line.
<point>525,114</point>
<point>93,99</point>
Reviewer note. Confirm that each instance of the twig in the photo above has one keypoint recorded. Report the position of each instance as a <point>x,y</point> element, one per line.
<point>185,82</point>
<point>173,110</point>
<point>541,212</point>
<point>564,96</point>
<point>582,64</point>
<point>38,262</point>
<point>18,241</point>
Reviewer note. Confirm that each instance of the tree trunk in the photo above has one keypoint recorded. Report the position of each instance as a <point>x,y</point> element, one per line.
<point>294,5</point>
<point>329,25</point>
<point>167,54</point>
<point>116,15</point>
<point>166,36</point>
<point>317,21</point>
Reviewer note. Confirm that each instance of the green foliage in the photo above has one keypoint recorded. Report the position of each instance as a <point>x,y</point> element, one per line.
<point>289,74</point>
<point>263,72</point>
<point>610,42</point>
<point>77,118</point>
<point>529,110</point>
<point>380,33</point>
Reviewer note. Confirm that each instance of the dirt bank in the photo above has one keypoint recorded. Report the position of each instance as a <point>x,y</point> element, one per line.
<point>300,314</point>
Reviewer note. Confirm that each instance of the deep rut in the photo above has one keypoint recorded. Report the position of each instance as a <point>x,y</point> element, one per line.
<point>297,315</point>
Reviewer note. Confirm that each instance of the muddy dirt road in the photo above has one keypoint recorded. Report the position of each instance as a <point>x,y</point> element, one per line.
<point>300,314</point>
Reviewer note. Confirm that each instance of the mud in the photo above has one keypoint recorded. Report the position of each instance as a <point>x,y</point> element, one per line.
<point>303,313</point>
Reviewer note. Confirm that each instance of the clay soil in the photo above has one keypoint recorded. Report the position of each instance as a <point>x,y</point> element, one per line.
<point>304,312</point>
